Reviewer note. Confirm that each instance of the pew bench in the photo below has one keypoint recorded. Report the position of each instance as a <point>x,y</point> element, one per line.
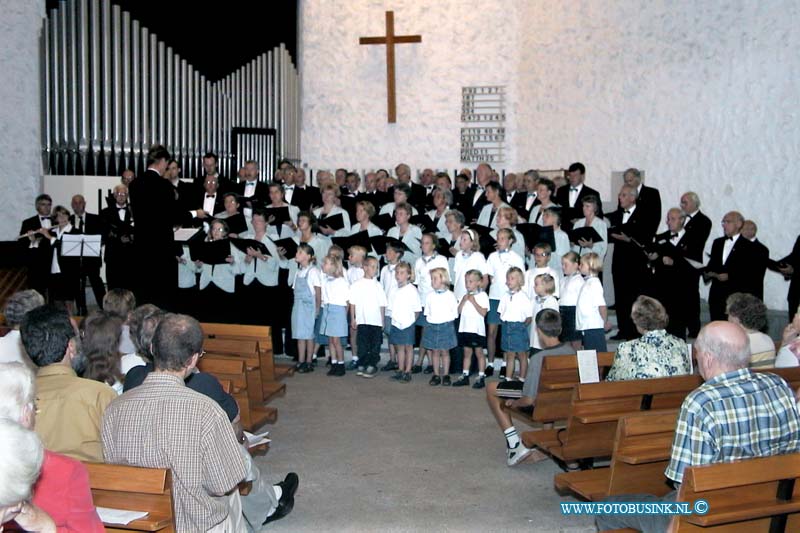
<point>641,452</point>
<point>134,488</point>
<point>595,409</point>
<point>260,334</point>
<point>263,380</point>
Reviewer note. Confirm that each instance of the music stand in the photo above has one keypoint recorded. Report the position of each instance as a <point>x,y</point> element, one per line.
<point>81,246</point>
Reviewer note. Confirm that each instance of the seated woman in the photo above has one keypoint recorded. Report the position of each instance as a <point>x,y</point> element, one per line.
<point>60,500</point>
<point>789,354</point>
<point>751,313</point>
<point>100,334</point>
<point>656,354</point>
<point>11,349</point>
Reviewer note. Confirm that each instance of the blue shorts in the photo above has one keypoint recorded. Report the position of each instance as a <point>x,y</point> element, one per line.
<point>493,317</point>
<point>402,337</point>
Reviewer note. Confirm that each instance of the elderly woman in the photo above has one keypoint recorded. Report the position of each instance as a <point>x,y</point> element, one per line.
<point>545,191</point>
<point>330,209</point>
<point>60,499</point>
<point>591,206</point>
<point>656,354</point>
<point>11,349</point>
<point>442,199</point>
<point>751,313</point>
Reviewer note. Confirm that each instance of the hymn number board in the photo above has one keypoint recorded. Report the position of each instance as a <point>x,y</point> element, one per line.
<point>483,106</point>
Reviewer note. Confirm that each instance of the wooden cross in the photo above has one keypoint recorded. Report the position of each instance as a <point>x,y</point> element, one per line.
<point>390,40</point>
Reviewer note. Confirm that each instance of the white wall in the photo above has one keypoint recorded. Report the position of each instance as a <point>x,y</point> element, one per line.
<point>701,95</point>
<point>20,112</point>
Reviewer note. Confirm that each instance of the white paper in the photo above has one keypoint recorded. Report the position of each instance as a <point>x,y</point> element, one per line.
<point>691,361</point>
<point>695,264</point>
<point>184,234</point>
<point>255,440</point>
<point>119,516</point>
<point>71,245</point>
<point>587,366</point>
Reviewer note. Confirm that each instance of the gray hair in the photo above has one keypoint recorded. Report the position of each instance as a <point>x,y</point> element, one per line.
<point>457,215</point>
<point>21,456</point>
<point>17,390</point>
<point>693,197</point>
<point>20,303</point>
<point>731,351</point>
<point>448,195</point>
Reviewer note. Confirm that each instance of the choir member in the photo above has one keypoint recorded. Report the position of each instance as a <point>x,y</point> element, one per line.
<point>88,224</point>
<point>280,229</point>
<point>37,247</point>
<point>591,207</point>
<point>406,232</point>
<point>329,209</point>
<point>729,268</point>
<point>216,299</point>
<point>64,271</point>
<point>569,198</point>
<point>119,252</point>
<point>494,201</point>
<point>545,190</point>
<point>698,228</point>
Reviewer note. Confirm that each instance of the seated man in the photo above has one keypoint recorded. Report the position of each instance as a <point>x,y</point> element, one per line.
<point>548,326</point>
<point>70,408</point>
<point>656,354</point>
<point>164,424</point>
<point>735,414</point>
<point>750,312</point>
<point>61,494</point>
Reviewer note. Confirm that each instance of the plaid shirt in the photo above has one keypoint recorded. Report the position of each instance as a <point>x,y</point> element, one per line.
<point>733,416</point>
<point>163,424</point>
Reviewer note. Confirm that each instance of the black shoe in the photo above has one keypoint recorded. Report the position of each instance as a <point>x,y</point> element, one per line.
<point>479,384</point>
<point>391,365</point>
<point>428,369</point>
<point>446,381</point>
<point>397,376</point>
<point>489,371</point>
<point>328,363</point>
<point>302,368</point>
<point>331,371</point>
<point>416,369</point>
<point>435,380</point>
<point>339,370</point>
<point>463,381</point>
<point>286,503</point>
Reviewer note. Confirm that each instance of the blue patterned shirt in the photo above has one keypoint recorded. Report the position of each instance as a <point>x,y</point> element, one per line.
<point>657,354</point>
<point>733,416</point>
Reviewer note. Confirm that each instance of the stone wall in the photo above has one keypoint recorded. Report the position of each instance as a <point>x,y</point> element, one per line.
<point>20,112</point>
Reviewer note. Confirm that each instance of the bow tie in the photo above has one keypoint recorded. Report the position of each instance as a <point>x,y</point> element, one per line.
<point>689,217</point>
<point>480,188</point>
<point>44,218</point>
<point>440,291</point>
<point>211,195</point>
<point>531,195</point>
<point>673,235</point>
<point>502,251</point>
<point>289,188</point>
<point>627,212</point>
<point>573,189</point>
<point>250,184</point>
<point>730,238</point>
<point>540,299</point>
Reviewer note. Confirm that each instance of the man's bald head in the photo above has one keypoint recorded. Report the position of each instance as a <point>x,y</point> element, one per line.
<point>722,347</point>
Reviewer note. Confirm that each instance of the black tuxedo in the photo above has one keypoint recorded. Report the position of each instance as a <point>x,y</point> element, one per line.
<point>463,203</point>
<point>199,199</point>
<point>225,185</point>
<point>427,198</point>
<point>740,269</point>
<point>418,196</point>
<point>37,259</point>
<point>793,259</point>
<point>309,196</point>
<point>472,205</point>
<point>261,193</point>
<point>571,212</point>
<point>629,266</point>
<point>156,211</point>
<point>649,201</point>
<point>759,266</point>
<point>674,285</point>
<point>698,228</point>
<point>518,201</point>
<point>119,255</point>
<point>377,198</point>
<point>92,225</point>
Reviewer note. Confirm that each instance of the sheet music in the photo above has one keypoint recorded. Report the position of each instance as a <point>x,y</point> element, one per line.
<point>119,516</point>
<point>255,440</point>
<point>587,366</point>
<point>71,245</point>
<point>695,264</point>
<point>184,234</point>
<point>691,361</point>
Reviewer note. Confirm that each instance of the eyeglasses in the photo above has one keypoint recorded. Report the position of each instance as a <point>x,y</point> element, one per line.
<point>542,255</point>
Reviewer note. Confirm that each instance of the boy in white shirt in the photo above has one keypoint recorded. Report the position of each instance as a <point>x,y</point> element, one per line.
<point>591,315</point>
<point>367,310</point>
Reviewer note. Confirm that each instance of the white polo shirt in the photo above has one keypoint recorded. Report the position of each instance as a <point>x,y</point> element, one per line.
<point>471,321</point>
<point>496,266</point>
<point>570,288</point>
<point>515,307</point>
<point>441,307</point>
<point>422,273</point>
<point>587,314</point>
<point>335,291</point>
<point>367,296</point>
<point>403,304</point>
<point>463,264</point>
<point>548,302</point>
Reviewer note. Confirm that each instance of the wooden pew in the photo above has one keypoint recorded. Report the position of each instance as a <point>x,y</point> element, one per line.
<point>559,376</point>
<point>260,380</point>
<point>262,335</point>
<point>641,453</point>
<point>134,489</point>
<point>595,409</point>
<point>253,413</point>
<point>752,495</point>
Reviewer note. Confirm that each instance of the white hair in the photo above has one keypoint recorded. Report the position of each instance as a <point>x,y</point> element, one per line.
<point>17,390</point>
<point>21,456</point>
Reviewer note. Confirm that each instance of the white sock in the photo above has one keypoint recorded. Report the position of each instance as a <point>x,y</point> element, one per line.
<point>278,494</point>
<point>489,364</point>
<point>499,363</point>
<point>466,373</point>
<point>355,359</point>
<point>481,374</point>
<point>512,438</point>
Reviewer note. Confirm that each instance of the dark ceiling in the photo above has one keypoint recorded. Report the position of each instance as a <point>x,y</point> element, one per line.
<point>218,37</point>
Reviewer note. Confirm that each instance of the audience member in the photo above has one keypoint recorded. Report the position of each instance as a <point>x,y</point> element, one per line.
<point>19,303</point>
<point>100,336</point>
<point>751,313</point>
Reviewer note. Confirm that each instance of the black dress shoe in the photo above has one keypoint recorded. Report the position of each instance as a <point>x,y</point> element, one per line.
<point>286,503</point>
<point>489,371</point>
<point>428,369</point>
